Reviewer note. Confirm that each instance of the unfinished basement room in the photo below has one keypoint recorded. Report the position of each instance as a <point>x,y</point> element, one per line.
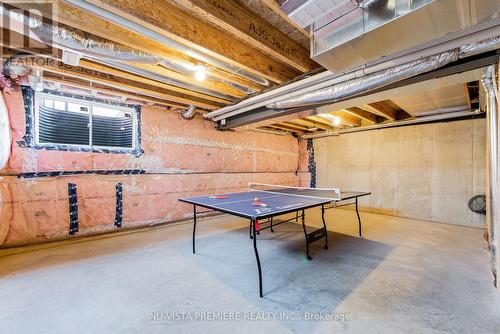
<point>250,166</point>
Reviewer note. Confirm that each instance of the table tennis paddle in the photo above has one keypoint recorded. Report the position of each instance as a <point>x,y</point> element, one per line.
<point>257,202</point>
<point>218,197</point>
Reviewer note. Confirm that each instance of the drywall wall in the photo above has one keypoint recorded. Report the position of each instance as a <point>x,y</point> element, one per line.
<point>181,158</point>
<point>425,171</point>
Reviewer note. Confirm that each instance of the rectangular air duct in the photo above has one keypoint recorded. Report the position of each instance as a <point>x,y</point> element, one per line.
<point>353,34</point>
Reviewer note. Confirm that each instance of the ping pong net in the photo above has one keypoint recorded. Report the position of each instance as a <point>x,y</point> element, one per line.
<point>331,193</point>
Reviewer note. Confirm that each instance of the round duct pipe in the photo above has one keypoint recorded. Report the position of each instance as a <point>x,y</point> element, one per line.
<point>35,79</point>
<point>188,113</point>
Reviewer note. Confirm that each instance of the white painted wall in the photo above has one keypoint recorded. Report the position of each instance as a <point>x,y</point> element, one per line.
<point>424,172</point>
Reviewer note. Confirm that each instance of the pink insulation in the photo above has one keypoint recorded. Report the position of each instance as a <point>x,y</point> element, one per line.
<point>181,158</point>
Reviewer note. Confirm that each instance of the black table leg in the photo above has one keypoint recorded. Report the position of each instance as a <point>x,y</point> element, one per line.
<point>324,225</point>
<point>271,222</point>
<point>303,219</point>
<point>194,226</point>
<point>359,219</point>
<point>250,230</point>
<point>254,233</point>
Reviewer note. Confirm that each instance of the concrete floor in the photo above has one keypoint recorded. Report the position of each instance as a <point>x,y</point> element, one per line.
<point>403,276</point>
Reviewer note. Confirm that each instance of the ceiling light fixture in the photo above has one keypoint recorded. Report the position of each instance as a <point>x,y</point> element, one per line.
<point>335,120</point>
<point>200,72</point>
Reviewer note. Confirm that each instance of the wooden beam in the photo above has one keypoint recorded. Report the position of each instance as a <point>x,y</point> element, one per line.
<point>323,122</point>
<point>472,94</point>
<point>339,120</point>
<point>122,74</point>
<point>304,122</point>
<point>209,83</point>
<point>364,114</point>
<point>273,5</point>
<point>285,128</point>
<point>347,119</point>
<point>245,25</point>
<point>168,19</point>
<point>384,109</point>
<point>400,112</point>
<point>311,123</point>
<point>95,26</point>
<point>124,84</point>
<point>294,126</point>
<point>83,84</point>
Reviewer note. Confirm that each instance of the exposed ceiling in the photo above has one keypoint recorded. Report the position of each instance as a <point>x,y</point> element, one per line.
<point>153,51</point>
<point>450,94</point>
<point>210,54</point>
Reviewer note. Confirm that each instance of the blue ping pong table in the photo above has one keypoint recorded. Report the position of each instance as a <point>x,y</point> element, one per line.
<point>261,206</point>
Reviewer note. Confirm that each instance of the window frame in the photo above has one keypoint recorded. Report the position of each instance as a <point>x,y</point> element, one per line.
<point>32,102</point>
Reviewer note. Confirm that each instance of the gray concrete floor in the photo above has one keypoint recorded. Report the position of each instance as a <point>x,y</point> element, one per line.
<point>403,276</point>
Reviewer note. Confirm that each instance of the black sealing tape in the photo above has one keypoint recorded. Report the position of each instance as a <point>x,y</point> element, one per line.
<point>73,209</point>
<point>119,205</point>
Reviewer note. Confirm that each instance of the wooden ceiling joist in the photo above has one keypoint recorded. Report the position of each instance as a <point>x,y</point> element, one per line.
<point>347,119</point>
<point>365,115</point>
<point>304,122</point>
<point>323,122</point>
<point>245,25</point>
<point>294,126</point>
<point>122,74</point>
<point>83,21</point>
<point>285,127</point>
<point>274,6</point>
<point>472,94</point>
<point>384,109</point>
<point>83,84</point>
<point>168,19</point>
<point>125,84</point>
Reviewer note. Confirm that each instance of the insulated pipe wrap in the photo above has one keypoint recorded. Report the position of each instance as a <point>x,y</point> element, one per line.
<point>370,82</point>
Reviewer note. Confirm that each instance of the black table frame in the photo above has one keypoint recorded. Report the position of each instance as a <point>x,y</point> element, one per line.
<point>310,237</point>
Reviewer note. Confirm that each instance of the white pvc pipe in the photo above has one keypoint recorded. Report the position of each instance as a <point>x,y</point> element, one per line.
<point>492,223</point>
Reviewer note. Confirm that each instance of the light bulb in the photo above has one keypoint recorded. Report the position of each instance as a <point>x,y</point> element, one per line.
<point>200,72</point>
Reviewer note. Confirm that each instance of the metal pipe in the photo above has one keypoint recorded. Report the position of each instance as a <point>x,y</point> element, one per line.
<point>434,118</point>
<point>492,108</point>
<point>273,132</point>
<point>111,54</point>
<point>442,111</point>
<point>137,28</point>
<point>155,76</point>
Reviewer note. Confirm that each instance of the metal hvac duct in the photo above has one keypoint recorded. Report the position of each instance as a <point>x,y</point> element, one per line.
<point>467,40</point>
<point>369,82</point>
<point>385,77</point>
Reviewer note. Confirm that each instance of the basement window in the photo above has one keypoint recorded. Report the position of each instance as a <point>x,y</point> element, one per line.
<point>76,123</point>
